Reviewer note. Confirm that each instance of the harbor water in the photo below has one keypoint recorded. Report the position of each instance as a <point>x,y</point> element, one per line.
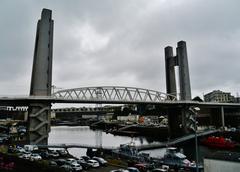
<point>84,135</point>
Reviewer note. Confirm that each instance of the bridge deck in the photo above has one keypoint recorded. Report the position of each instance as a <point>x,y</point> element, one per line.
<point>22,101</point>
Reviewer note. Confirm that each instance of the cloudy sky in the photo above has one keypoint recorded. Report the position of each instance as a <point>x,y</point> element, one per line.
<point>121,42</point>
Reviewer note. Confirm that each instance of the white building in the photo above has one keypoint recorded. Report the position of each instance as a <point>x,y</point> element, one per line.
<point>222,162</point>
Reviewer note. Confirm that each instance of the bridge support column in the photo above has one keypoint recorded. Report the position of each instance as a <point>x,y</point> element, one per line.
<point>223,119</point>
<point>41,82</point>
<point>175,122</point>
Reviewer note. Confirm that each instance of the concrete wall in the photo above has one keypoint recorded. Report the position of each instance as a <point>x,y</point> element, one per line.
<point>212,165</point>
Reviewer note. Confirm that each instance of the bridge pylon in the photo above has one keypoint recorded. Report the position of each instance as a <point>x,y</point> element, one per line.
<point>41,82</point>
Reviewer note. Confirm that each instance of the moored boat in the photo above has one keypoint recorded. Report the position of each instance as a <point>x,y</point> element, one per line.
<point>219,142</point>
<point>176,159</point>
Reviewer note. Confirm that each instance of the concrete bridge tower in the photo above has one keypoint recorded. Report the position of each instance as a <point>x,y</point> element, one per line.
<point>170,63</point>
<point>184,79</point>
<point>41,82</point>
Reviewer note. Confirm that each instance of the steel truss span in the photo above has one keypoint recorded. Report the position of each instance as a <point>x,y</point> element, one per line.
<point>113,93</point>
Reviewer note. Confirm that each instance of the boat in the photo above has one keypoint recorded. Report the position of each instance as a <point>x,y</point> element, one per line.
<point>176,159</point>
<point>173,157</point>
<point>219,142</point>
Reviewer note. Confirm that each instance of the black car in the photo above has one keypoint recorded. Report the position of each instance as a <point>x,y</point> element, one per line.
<point>100,160</point>
<point>60,162</point>
<point>86,158</point>
<point>62,152</point>
<point>53,163</point>
<point>44,154</point>
<point>84,164</point>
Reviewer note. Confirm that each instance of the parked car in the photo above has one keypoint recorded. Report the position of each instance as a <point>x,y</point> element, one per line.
<point>71,161</point>
<point>86,158</point>
<point>25,155</point>
<point>11,149</point>
<point>44,155</point>
<point>62,152</point>
<point>53,154</point>
<point>35,157</point>
<point>100,160</point>
<point>119,170</point>
<point>132,169</point>
<point>141,167</point>
<point>76,167</point>
<point>20,150</point>
<point>60,162</point>
<point>81,159</point>
<point>85,165</point>
<point>52,163</point>
<point>159,170</point>
<point>30,147</point>
<point>67,168</point>
<point>93,163</point>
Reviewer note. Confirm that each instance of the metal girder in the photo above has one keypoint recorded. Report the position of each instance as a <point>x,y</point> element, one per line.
<point>114,93</point>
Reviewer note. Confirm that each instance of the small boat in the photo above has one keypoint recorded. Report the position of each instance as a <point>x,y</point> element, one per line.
<point>174,158</point>
<point>219,142</point>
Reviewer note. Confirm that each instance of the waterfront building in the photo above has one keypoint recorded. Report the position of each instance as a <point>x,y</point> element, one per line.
<point>222,162</point>
<point>219,96</point>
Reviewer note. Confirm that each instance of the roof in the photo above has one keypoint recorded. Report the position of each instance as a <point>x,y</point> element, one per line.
<point>225,156</point>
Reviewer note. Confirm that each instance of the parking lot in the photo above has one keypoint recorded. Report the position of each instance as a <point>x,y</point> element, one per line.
<point>62,159</point>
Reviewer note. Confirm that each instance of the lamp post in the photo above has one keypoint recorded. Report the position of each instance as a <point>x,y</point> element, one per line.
<point>194,110</point>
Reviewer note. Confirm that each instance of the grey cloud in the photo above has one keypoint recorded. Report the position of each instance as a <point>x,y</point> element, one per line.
<point>136,34</point>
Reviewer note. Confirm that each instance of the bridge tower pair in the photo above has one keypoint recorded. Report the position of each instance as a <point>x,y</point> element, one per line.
<point>177,116</point>
<point>180,60</point>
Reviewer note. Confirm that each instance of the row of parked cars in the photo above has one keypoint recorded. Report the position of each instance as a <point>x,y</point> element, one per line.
<point>58,158</point>
<point>129,169</point>
<point>134,169</point>
<point>79,164</point>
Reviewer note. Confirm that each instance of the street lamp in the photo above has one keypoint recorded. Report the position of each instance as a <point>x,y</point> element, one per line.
<point>194,111</point>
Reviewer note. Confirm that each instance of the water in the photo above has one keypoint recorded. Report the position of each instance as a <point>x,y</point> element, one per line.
<point>84,135</point>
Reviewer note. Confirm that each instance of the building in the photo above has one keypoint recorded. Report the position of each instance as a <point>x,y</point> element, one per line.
<point>222,161</point>
<point>219,96</point>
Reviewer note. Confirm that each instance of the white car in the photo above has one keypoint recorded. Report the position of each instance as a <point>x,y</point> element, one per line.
<point>133,169</point>
<point>35,157</point>
<point>71,161</point>
<point>76,167</point>
<point>20,150</point>
<point>93,163</point>
<point>25,156</point>
<point>119,170</point>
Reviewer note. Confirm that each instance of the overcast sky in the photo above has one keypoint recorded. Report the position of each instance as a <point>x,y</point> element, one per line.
<point>121,42</point>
